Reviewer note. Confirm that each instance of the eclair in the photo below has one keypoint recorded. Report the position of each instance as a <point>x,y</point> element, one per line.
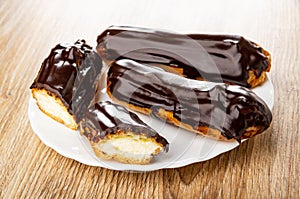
<point>230,59</point>
<point>116,133</point>
<point>66,83</point>
<point>217,110</point>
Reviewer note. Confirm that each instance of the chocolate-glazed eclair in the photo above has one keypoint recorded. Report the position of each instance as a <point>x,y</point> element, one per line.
<point>218,58</point>
<point>66,82</point>
<point>217,110</point>
<point>116,133</point>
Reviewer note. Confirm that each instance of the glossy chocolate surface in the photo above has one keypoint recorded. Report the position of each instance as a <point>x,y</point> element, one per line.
<point>70,72</point>
<point>227,108</point>
<point>218,58</point>
<point>107,118</point>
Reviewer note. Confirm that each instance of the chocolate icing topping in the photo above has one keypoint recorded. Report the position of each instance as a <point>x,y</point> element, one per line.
<point>227,108</point>
<point>217,58</point>
<point>70,72</point>
<point>107,118</point>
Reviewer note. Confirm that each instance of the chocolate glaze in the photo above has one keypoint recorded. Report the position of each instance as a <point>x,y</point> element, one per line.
<point>227,108</point>
<point>218,58</point>
<point>70,72</point>
<point>107,118</point>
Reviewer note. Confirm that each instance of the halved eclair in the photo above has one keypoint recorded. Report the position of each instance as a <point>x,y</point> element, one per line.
<point>116,133</point>
<point>66,82</point>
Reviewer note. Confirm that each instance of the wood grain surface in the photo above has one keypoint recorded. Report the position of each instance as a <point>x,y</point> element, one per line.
<point>266,166</point>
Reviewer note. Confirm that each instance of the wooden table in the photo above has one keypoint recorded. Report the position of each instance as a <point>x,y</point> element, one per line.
<point>266,166</point>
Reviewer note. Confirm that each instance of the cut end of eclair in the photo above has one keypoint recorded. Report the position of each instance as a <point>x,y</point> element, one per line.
<point>127,147</point>
<point>52,106</point>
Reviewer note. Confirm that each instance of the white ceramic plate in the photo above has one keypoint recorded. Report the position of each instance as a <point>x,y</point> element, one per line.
<point>185,147</point>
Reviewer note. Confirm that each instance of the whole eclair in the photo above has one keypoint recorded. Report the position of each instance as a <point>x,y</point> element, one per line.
<point>219,58</point>
<point>211,109</point>
<point>116,133</point>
